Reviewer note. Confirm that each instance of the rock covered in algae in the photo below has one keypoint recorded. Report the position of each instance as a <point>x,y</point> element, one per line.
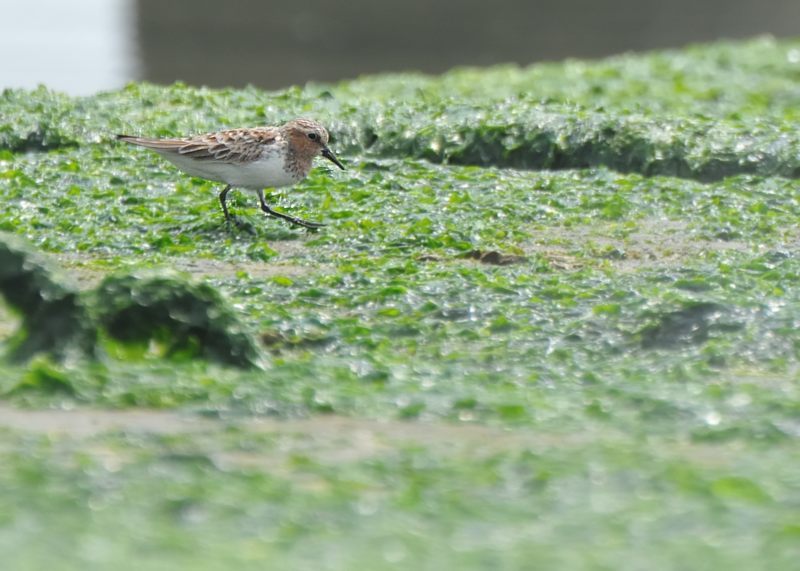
<point>59,321</point>
<point>54,317</point>
<point>185,317</point>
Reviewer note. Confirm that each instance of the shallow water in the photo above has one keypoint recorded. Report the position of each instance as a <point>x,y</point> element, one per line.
<point>92,45</point>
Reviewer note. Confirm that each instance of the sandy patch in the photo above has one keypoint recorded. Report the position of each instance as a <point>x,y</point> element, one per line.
<point>327,439</point>
<point>654,244</point>
<point>78,267</point>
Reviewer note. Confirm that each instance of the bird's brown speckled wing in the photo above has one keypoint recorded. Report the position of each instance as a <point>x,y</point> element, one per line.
<point>233,146</point>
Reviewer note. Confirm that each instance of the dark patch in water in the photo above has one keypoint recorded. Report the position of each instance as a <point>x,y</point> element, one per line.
<point>691,325</point>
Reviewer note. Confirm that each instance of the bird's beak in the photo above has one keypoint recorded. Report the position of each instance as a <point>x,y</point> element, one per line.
<point>328,154</point>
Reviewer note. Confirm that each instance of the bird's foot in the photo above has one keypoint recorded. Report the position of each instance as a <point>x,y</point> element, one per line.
<point>310,226</point>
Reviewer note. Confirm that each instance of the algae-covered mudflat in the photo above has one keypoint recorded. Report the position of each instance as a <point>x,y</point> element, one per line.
<point>553,323</point>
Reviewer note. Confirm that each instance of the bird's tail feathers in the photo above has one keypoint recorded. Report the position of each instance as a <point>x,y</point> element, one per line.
<point>156,144</point>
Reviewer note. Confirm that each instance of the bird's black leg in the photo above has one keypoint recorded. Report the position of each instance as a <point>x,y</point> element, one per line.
<point>223,196</point>
<point>228,216</point>
<point>296,221</point>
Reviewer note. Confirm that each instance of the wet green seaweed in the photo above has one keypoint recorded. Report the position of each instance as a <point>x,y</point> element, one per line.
<point>190,319</point>
<point>569,504</point>
<point>686,114</point>
<point>186,318</point>
<point>33,121</point>
<point>54,318</point>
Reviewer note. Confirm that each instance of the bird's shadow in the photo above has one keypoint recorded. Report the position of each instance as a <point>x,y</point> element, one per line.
<point>242,227</point>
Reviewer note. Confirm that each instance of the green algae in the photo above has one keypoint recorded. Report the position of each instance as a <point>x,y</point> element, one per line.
<point>54,318</point>
<point>567,504</point>
<point>32,121</point>
<point>649,206</point>
<point>687,114</point>
<point>185,318</point>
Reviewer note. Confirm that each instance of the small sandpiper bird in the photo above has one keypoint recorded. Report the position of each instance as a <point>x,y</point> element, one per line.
<point>252,159</point>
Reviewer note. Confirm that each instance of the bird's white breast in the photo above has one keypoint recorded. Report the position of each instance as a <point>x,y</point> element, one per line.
<point>266,171</point>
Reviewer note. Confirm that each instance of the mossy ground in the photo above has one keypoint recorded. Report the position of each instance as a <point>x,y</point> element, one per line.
<point>623,395</point>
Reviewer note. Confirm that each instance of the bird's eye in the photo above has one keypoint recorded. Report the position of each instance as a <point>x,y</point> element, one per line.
<point>312,136</point>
